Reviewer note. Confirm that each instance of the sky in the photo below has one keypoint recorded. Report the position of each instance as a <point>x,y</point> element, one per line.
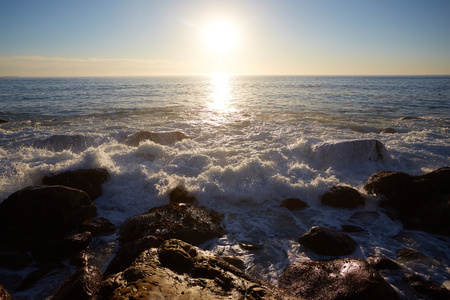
<point>153,37</point>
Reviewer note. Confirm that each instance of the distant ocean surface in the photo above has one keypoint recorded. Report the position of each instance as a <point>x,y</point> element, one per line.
<point>254,141</point>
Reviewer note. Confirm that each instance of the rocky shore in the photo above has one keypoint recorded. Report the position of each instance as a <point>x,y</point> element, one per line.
<point>52,225</point>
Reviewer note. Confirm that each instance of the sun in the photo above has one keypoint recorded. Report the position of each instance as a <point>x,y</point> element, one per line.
<point>221,37</point>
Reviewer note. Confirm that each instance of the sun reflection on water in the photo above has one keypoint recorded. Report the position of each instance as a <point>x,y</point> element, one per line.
<point>220,92</point>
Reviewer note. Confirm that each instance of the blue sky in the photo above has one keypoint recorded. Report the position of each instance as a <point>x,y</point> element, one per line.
<point>330,37</point>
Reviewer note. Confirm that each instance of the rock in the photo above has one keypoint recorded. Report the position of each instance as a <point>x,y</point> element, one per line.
<point>326,241</point>
<point>345,278</point>
<point>178,270</point>
<point>181,195</point>
<point>235,261</point>
<point>407,254</point>
<point>34,277</point>
<point>89,181</point>
<point>64,142</point>
<point>129,251</point>
<point>250,246</point>
<point>382,263</point>
<point>82,285</point>
<point>59,250</point>
<point>343,197</point>
<point>98,226</point>
<point>427,288</point>
<point>164,138</point>
<point>14,260</point>
<point>352,229</point>
<point>4,295</point>
<point>192,224</point>
<point>388,130</point>
<point>420,202</point>
<point>293,204</point>
<point>41,213</point>
<point>2,122</point>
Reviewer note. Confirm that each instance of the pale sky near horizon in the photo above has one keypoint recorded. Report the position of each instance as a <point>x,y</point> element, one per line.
<point>298,37</point>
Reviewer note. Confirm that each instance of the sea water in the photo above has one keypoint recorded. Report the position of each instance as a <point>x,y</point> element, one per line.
<point>254,141</point>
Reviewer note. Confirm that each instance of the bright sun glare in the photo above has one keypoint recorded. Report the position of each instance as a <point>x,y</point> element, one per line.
<point>221,37</point>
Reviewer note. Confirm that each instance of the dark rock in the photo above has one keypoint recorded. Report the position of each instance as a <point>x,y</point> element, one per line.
<point>129,251</point>
<point>407,254</point>
<point>343,197</point>
<point>82,285</point>
<point>58,250</point>
<point>42,213</point>
<point>4,295</point>
<point>3,121</point>
<point>326,241</point>
<point>420,202</point>
<point>80,259</point>
<point>250,246</point>
<point>181,195</point>
<point>164,138</point>
<point>235,261</point>
<point>428,288</point>
<point>388,130</point>
<point>345,278</point>
<point>352,229</point>
<point>14,260</point>
<point>194,225</point>
<point>98,226</point>
<point>293,204</point>
<point>89,181</point>
<point>178,270</point>
<point>34,277</point>
<point>64,142</point>
<point>382,263</point>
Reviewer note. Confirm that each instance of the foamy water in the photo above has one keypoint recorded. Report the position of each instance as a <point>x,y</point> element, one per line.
<point>253,142</point>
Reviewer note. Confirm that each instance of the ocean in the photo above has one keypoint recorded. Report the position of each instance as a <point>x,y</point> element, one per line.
<point>254,141</point>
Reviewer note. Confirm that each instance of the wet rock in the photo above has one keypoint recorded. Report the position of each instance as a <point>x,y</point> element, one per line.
<point>14,260</point>
<point>427,288</point>
<point>420,202</point>
<point>326,241</point>
<point>343,197</point>
<point>89,181</point>
<point>3,121</point>
<point>34,277</point>
<point>82,285</point>
<point>59,250</point>
<point>235,261</point>
<point>249,246</point>
<point>181,195</point>
<point>164,138</point>
<point>192,224</point>
<point>293,204</point>
<point>352,229</point>
<point>388,130</point>
<point>80,259</point>
<point>129,251</point>
<point>178,270</point>
<point>64,142</point>
<point>382,263</point>
<point>41,213</point>
<point>4,295</point>
<point>407,254</point>
<point>345,278</point>
<point>98,226</point>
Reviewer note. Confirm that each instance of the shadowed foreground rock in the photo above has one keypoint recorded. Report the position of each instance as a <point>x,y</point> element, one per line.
<point>191,224</point>
<point>178,270</point>
<point>4,295</point>
<point>326,241</point>
<point>90,181</point>
<point>345,278</point>
<point>343,197</point>
<point>420,202</point>
<point>82,285</point>
<point>164,138</point>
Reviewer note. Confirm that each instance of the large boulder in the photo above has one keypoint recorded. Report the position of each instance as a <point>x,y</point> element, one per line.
<point>326,241</point>
<point>178,270</point>
<point>82,285</point>
<point>345,278</point>
<point>421,202</point>
<point>164,138</point>
<point>192,224</point>
<point>343,197</point>
<point>41,213</point>
<point>89,181</point>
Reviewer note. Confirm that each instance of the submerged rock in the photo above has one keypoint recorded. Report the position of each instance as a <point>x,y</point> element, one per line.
<point>41,213</point>
<point>293,204</point>
<point>343,197</point>
<point>420,202</point>
<point>64,142</point>
<point>164,138</point>
<point>89,181</point>
<point>192,224</point>
<point>326,241</point>
<point>82,285</point>
<point>345,278</point>
<point>388,130</point>
<point>178,270</point>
